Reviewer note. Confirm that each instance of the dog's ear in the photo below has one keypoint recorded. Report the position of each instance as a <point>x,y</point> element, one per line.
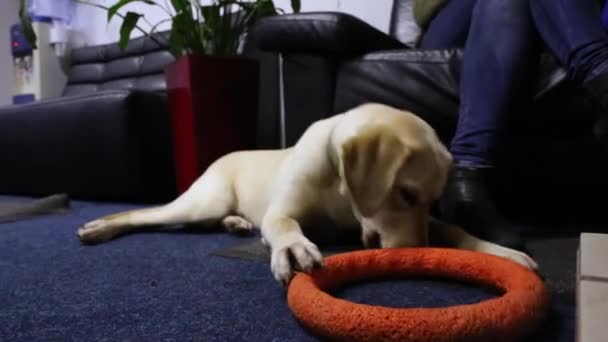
<point>369,164</point>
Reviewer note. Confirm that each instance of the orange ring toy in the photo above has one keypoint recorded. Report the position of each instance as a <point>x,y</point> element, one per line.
<point>516,313</point>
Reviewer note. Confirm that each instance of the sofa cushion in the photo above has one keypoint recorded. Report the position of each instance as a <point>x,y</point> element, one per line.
<point>108,145</point>
<point>106,67</point>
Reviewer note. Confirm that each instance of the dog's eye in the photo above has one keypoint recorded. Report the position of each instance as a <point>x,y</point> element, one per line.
<point>408,196</point>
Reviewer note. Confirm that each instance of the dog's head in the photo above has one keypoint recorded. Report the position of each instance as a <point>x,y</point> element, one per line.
<point>393,168</point>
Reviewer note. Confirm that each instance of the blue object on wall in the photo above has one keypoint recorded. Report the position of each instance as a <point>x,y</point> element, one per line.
<point>19,45</point>
<point>23,98</point>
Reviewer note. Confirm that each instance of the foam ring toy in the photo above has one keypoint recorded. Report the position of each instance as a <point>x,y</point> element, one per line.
<point>516,313</point>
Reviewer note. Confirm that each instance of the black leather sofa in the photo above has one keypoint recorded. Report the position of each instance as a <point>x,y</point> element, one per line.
<point>106,138</point>
<point>330,62</point>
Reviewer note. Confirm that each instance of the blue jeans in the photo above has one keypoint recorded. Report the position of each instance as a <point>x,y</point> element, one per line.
<point>502,41</point>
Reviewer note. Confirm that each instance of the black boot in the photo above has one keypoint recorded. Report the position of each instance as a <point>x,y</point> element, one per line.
<point>466,202</point>
<point>597,91</point>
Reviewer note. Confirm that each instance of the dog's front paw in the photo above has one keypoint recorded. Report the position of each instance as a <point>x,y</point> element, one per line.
<point>523,259</point>
<point>514,255</point>
<point>294,253</point>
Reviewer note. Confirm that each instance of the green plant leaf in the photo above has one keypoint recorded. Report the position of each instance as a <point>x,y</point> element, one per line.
<point>26,25</point>
<point>208,28</point>
<point>265,8</point>
<point>197,8</point>
<point>211,15</point>
<point>127,27</point>
<point>296,5</point>
<point>176,41</point>
<point>114,8</point>
<point>187,27</point>
<point>181,5</point>
<point>256,10</point>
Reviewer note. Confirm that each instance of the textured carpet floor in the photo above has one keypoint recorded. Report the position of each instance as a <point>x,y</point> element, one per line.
<point>170,286</point>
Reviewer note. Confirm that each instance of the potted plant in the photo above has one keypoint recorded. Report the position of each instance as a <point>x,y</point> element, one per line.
<point>212,90</point>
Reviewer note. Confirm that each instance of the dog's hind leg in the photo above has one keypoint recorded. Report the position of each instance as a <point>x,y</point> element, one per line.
<point>209,200</point>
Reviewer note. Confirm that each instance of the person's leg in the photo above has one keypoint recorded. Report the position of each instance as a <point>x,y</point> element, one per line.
<point>500,49</point>
<point>450,27</point>
<point>573,31</point>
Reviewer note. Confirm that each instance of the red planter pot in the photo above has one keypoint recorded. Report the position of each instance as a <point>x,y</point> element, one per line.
<point>213,103</point>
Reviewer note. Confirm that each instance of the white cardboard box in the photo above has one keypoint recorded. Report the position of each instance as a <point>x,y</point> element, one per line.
<point>592,288</point>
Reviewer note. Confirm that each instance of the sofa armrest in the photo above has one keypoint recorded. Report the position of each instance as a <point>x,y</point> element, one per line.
<point>109,145</point>
<point>326,33</point>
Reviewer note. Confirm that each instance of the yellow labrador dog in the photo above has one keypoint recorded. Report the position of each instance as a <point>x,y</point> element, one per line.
<point>373,168</point>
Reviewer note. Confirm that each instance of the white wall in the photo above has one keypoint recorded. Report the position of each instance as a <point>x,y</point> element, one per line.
<point>8,16</point>
<point>95,29</point>
<point>375,12</point>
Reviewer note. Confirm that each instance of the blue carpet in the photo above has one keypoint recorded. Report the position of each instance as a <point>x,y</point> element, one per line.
<point>166,286</point>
